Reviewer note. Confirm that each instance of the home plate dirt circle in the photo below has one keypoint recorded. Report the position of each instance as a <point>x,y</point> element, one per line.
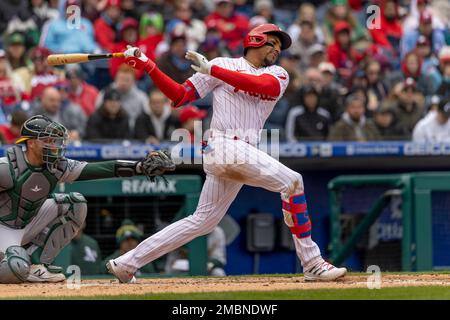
<point>91,288</point>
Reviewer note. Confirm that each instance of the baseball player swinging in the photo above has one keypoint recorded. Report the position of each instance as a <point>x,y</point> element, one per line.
<point>35,224</point>
<point>245,91</point>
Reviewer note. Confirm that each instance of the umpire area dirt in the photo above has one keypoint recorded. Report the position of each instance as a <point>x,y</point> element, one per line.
<point>91,288</point>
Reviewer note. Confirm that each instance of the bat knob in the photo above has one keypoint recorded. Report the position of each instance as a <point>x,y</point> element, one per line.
<point>137,53</point>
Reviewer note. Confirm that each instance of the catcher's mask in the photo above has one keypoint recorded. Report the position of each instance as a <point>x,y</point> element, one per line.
<point>51,134</point>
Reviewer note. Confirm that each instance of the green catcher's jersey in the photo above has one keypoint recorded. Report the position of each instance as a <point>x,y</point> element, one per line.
<point>24,188</point>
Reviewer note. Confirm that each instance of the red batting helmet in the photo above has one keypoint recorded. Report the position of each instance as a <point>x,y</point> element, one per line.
<point>257,37</point>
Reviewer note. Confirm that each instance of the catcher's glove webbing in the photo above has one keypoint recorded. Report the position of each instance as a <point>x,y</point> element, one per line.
<point>156,163</point>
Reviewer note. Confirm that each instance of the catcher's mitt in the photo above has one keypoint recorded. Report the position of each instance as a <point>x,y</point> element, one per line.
<point>156,163</point>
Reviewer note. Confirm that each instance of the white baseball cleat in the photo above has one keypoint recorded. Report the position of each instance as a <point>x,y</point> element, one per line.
<point>323,271</point>
<point>45,273</point>
<point>123,275</point>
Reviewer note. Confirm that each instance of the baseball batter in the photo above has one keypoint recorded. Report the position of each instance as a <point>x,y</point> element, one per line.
<point>245,91</point>
<point>35,223</point>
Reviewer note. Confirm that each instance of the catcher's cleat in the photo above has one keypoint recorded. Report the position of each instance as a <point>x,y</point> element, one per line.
<point>323,271</point>
<point>121,274</point>
<point>45,273</point>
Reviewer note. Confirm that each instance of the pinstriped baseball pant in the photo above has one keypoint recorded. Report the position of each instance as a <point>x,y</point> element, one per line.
<point>229,164</point>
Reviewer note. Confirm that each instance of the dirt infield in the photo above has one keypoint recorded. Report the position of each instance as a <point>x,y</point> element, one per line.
<point>91,288</point>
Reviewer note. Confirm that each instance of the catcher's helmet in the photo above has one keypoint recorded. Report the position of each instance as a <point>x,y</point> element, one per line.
<point>257,37</point>
<point>38,127</point>
<point>33,127</point>
<point>52,134</point>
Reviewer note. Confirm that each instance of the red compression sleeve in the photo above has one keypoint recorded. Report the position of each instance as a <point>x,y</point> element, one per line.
<point>180,94</point>
<point>265,84</point>
<point>172,89</point>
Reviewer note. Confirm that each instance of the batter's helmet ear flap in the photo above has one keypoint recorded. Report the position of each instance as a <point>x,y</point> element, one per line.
<point>257,37</point>
<point>255,40</point>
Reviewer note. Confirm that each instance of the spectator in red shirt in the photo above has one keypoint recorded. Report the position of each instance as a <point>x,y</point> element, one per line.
<point>231,25</point>
<point>80,92</point>
<point>107,26</point>
<point>341,53</point>
<point>11,132</point>
<point>390,31</point>
<point>129,35</point>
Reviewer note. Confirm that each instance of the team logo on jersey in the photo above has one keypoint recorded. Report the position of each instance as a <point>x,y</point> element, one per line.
<point>258,95</point>
<point>36,189</point>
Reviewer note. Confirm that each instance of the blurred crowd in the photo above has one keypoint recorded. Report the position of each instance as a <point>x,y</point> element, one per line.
<point>358,72</point>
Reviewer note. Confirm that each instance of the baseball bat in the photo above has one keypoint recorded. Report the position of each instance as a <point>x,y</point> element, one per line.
<point>60,59</point>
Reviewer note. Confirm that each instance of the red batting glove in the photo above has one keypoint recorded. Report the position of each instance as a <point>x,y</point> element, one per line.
<point>135,58</point>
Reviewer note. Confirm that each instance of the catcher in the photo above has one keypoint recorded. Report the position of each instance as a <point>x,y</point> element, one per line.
<point>35,224</point>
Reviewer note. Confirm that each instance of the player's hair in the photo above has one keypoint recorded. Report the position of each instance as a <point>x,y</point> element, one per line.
<point>126,69</point>
<point>155,90</point>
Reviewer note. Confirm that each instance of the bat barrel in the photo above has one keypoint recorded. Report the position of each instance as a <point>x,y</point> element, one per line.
<point>62,59</point>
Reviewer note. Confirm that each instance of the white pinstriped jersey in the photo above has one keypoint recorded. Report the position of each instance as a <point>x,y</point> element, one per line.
<point>240,113</point>
<point>233,113</point>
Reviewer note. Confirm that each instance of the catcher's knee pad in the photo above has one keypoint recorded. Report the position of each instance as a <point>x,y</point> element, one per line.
<point>72,211</point>
<point>72,205</point>
<point>79,208</point>
<point>15,265</point>
<point>296,215</point>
